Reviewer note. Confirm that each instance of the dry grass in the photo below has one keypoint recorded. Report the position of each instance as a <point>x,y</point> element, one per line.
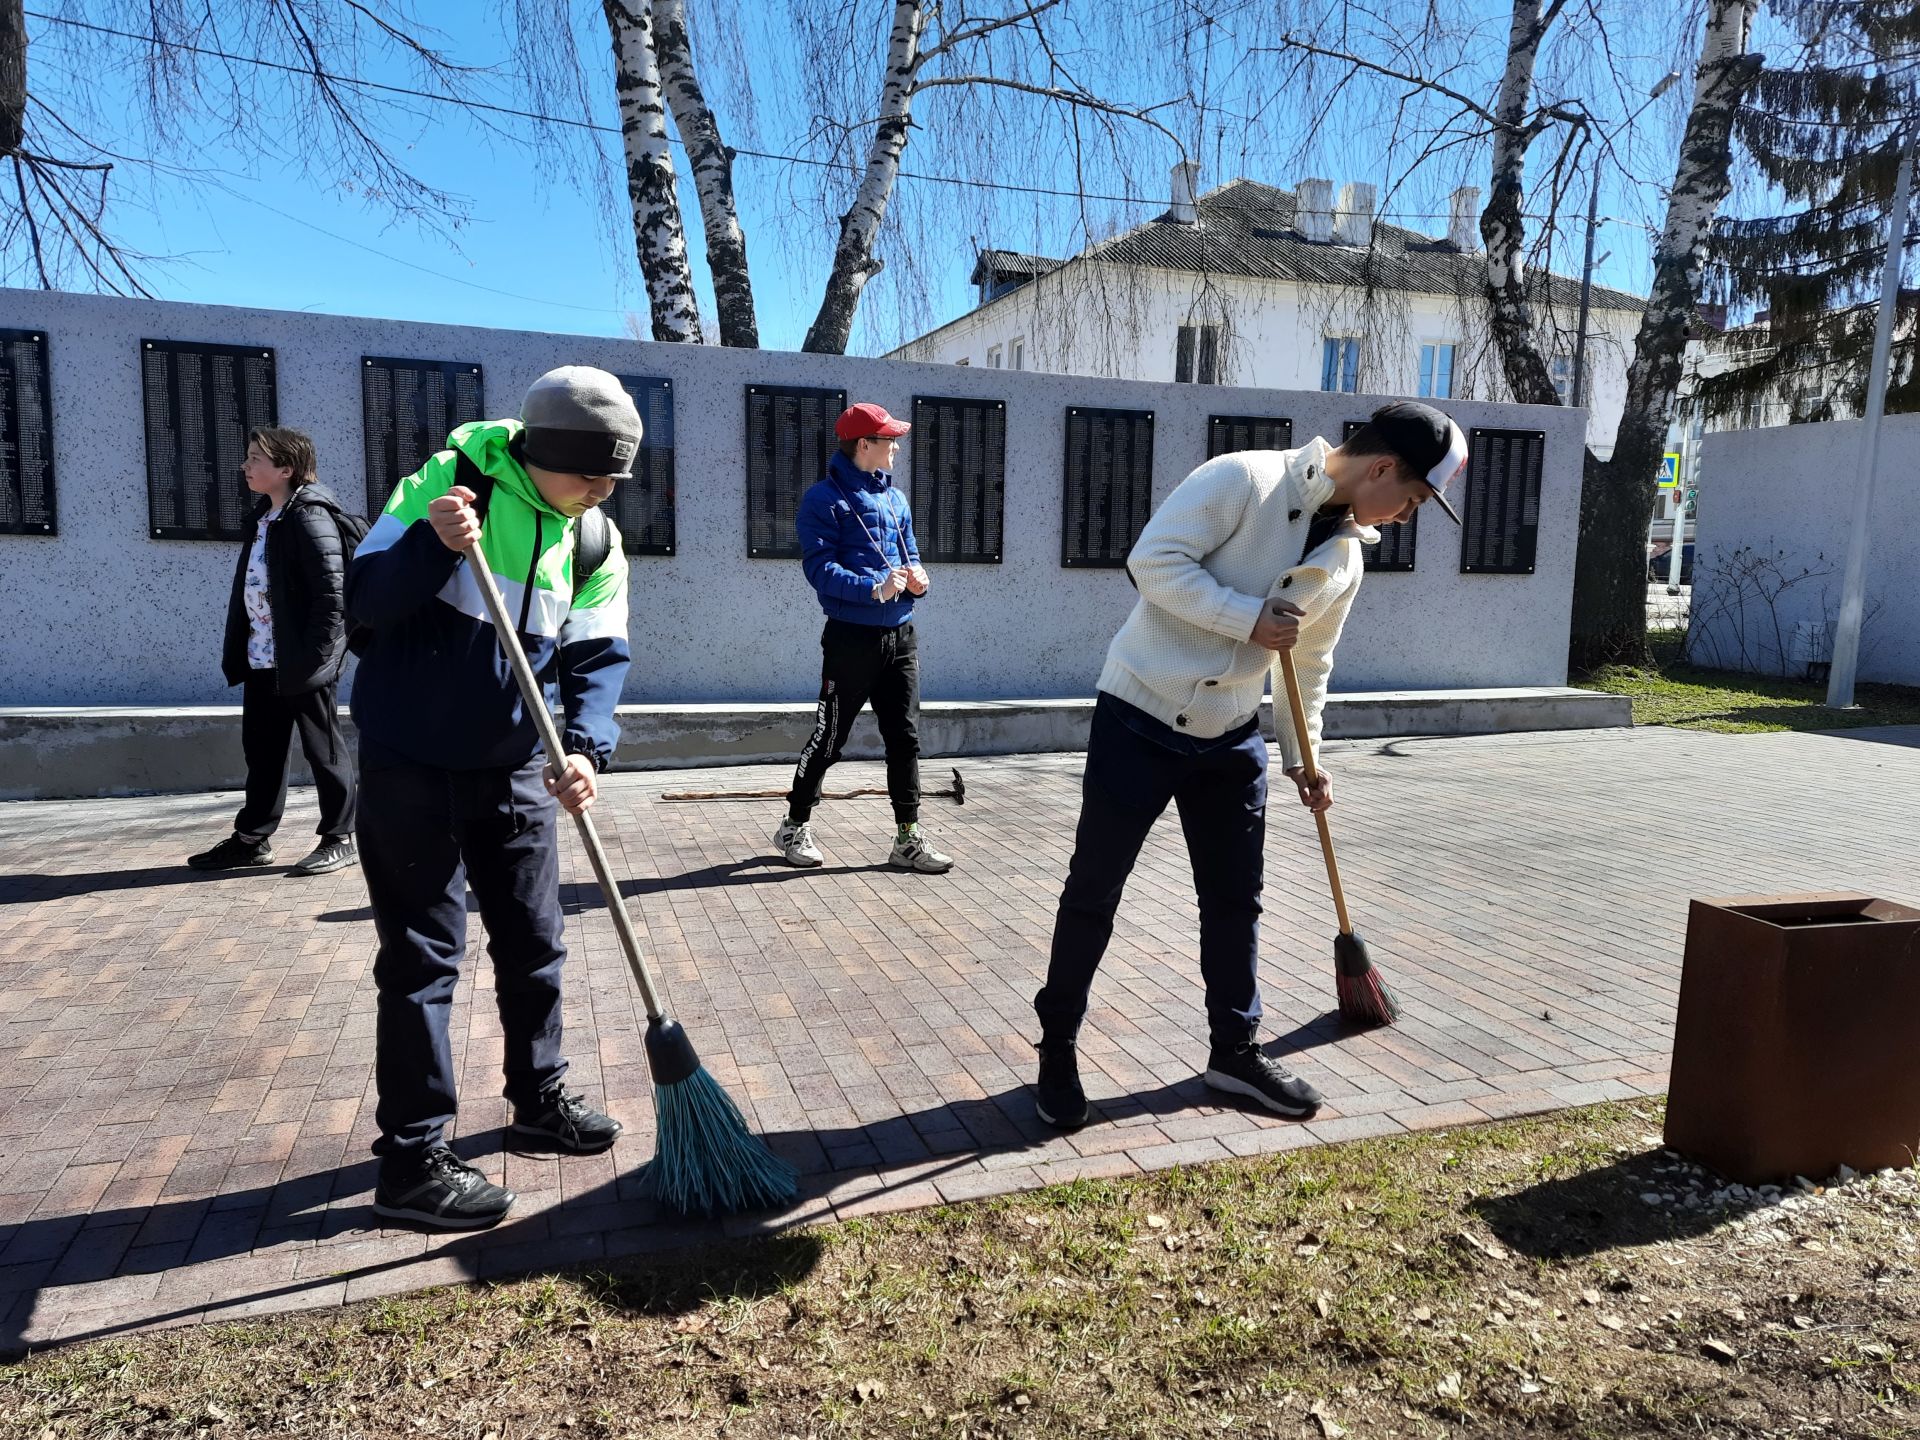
<point>1500,1280</point>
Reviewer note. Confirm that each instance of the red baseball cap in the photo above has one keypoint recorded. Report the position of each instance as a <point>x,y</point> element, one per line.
<point>858,421</point>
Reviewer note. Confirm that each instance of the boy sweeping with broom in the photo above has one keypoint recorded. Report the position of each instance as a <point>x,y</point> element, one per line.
<point>454,786</point>
<point>1253,555</point>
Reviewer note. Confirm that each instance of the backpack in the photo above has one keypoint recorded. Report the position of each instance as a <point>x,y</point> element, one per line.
<point>353,529</point>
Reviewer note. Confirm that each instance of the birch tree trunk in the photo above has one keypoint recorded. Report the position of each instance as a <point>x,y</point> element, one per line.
<point>659,240</point>
<point>854,262</point>
<point>1502,229</point>
<point>1616,503</point>
<point>712,165</point>
<point>13,75</point>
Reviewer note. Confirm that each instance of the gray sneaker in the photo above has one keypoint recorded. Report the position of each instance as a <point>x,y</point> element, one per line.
<point>336,852</point>
<point>916,852</point>
<point>795,843</point>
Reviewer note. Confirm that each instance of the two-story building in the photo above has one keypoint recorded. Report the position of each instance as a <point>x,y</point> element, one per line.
<point>1253,285</point>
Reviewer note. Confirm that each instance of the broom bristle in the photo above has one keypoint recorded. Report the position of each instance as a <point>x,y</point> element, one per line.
<point>706,1160</point>
<point>1365,998</point>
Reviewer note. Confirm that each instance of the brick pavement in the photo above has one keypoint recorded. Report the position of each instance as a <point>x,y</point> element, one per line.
<point>186,1061</point>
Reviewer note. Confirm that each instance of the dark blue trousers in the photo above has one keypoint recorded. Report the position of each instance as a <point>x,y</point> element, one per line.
<point>425,835</point>
<point>1221,795</point>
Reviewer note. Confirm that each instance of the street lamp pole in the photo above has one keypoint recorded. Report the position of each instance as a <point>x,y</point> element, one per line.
<point>1579,395</point>
<point>1853,598</point>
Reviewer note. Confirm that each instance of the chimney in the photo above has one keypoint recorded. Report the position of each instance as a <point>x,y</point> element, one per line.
<point>1463,218</point>
<point>1353,219</point>
<point>1313,210</point>
<point>1184,176</point>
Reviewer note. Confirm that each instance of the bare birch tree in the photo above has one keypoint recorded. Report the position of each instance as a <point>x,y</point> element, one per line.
<point>163,76</point>
<point>712,165</point>
<point>1618,495</point>
<point>913,68</point>
<point>659,238</point>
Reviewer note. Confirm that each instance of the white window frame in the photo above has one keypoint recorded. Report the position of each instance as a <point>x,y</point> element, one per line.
<point>993,357</point>
<point>1347,381</point>
<point>1423,380</point>
<point>1017,353</point>
<point>1560,371</point>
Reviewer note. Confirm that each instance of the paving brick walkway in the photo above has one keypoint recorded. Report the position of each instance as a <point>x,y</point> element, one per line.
<point>186,1061</point>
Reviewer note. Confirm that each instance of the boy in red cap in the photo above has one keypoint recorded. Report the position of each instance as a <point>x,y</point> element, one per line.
<point>858,550</point>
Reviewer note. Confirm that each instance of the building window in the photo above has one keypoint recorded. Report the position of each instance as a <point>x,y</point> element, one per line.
<point>1340,364</point>
<point>1196,355</point>
<point>1017,355</point>
<point>1436,372</point>
<point>1562,370</point>
<point>963,360</point>
<point>993,357</point>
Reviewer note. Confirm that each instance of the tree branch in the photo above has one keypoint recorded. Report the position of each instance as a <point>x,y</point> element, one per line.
<point>980,31</point>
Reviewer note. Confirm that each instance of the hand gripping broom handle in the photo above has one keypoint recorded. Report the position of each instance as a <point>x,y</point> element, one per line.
<point>1313,776</point>
<point>536,703</point>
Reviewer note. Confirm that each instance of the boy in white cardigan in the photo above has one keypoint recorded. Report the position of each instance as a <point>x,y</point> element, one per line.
<point>1252,554</point>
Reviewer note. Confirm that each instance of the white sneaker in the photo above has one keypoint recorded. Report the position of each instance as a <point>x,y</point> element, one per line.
<point>795,842</point>
<point>916,852</point>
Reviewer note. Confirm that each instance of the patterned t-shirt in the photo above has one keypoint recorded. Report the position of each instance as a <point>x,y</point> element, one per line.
<point>259,603</point>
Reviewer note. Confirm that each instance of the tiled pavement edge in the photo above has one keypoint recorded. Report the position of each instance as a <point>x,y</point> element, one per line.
<point>186,1061</point>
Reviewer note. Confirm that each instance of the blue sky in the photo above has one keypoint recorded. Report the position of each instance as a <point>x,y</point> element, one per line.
<point>542,251</point>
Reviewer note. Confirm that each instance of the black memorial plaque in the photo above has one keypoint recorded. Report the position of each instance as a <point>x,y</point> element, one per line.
<point>407,410</point>
<point>1397,542</point>
<point>1228,433</point>
<point>1109,485</point>
<point>643,505</point>
<point>1503,501</point>
<point>201,400</point>
<point>26,434</point>
<point>959,478</point>
<point>789,437</point>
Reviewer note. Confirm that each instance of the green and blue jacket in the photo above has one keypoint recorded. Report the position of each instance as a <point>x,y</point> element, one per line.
<point>433,686</point>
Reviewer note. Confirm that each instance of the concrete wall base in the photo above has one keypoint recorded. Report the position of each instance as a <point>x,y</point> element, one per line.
<point>98,751</point>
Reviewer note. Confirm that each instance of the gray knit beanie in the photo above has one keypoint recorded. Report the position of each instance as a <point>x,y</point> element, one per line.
<point>579,421</point>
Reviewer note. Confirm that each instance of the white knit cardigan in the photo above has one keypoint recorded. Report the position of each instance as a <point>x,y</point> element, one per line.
<point>1224,542</point>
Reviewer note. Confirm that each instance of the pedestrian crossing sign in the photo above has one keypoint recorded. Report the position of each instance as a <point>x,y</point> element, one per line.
<point>1670,470</point>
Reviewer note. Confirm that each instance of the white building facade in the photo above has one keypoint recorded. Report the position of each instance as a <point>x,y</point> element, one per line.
<point>1253,286</point>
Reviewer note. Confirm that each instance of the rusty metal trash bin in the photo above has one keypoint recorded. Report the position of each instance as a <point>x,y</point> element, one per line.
<point>1796,1048</point>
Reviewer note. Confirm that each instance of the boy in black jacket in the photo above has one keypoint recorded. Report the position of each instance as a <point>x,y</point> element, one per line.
<point>454,786</point>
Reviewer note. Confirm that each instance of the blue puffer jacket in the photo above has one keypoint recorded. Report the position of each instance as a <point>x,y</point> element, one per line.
<point>854,527</point>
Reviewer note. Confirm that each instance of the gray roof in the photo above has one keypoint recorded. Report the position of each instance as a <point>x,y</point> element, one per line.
<point>1247,228</point>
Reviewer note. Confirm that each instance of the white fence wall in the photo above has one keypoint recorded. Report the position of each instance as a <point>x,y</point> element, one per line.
<point>102,614</point>
<point>1775,511</point>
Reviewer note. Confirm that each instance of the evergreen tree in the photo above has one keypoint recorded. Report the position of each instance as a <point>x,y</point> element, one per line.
<point>1824,128</point>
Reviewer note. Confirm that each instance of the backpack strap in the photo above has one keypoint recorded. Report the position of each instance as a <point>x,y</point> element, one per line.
<point>592,535</point>
<point>592,543</point>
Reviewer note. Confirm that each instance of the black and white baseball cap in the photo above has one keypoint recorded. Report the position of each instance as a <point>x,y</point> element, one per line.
<point>1431,444</point>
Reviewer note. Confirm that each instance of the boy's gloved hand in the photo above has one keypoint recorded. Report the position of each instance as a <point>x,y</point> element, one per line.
<point>576,786</point>
<point>454,520</point>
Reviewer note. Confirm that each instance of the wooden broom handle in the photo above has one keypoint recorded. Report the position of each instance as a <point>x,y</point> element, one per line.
<point>1313,776</point>
<point>535,700</point>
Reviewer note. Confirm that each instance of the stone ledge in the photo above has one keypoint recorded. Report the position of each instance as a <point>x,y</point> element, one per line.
<point>58,752</point>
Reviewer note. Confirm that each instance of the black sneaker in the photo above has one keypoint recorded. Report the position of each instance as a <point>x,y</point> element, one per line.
<point>233,853</point>
<point>1057,1094</point>
<point>441,1191</point>
<point>335,852</point>
<point>564,1119</point>
<point>1247,1070</point>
